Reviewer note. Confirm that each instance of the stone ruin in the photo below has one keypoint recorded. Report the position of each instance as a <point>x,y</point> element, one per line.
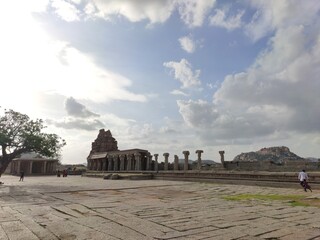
<point>105,156</point>
<point>104,142</point>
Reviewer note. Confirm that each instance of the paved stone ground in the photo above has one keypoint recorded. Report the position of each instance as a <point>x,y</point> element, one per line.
<point>90,208</point>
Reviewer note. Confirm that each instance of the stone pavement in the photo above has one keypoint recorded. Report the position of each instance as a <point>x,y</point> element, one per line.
<point>91,208</point>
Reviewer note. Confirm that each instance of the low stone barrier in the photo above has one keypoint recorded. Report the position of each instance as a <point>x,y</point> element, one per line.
<point>276,179</point>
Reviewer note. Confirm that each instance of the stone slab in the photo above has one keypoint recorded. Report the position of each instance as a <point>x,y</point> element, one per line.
<point>90,208</point>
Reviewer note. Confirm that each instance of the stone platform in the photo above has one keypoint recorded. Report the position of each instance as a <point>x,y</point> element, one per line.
<point>254,178</point>
<point>92,208</point>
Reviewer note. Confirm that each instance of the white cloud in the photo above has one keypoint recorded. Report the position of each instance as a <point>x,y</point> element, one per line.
<point>183,73</point>
<point>197,113</point>
<point>230,23</point>
<point>167,130</point>
<point>79,117</point>
<point>92,82</point>
<point>193,12</point>
<point>77,109</point>
<point>76,123</point>
<point>187,44</point>
<point>113,121</point>
<point>66,10</point>
<point>66,71</point>
<point>178,92</point>
<point>40,65</point>
<point>135,11</point>
<point>10,8</point>
<point>272,15</point>
<point>275,98</point>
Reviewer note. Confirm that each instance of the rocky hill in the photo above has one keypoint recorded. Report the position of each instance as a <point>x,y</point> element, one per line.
<point>274,154</point>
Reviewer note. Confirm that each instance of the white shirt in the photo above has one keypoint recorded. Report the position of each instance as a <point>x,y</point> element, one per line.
<point>302,176</point>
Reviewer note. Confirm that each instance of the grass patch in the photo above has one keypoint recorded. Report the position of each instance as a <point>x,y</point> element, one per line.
<point>293,200</point>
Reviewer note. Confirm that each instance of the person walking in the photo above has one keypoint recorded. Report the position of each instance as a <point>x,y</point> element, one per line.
<point>21,176</point>
<point>303,178</point>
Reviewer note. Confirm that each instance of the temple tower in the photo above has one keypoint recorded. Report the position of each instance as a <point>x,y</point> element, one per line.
<point>104,142</point>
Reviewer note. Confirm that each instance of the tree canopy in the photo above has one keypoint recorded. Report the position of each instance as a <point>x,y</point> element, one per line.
<point>19,134</point>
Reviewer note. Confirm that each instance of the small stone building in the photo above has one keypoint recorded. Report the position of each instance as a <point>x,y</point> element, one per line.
<point>32,165</point>
<point>105,156</point>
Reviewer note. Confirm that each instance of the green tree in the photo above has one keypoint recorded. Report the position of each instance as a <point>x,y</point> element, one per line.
<point>19,134</point>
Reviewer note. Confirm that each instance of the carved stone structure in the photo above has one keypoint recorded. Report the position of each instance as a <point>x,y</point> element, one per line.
<point>166,161</point>
<point>105,156</point>
<point>104,142</point>
<point>199,158</point>
<point>156,162</point>
<point>176,163</point>
<point>222,158</point>
<point>33,166</point>
<point>186,160</point>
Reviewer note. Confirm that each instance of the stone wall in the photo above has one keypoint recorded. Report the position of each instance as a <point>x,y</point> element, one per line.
<point>288,166</point>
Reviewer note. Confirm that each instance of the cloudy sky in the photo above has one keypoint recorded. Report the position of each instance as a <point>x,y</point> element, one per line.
<point>166,75</point>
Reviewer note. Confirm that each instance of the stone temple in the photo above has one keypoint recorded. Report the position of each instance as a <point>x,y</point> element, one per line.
<point>105,156</point>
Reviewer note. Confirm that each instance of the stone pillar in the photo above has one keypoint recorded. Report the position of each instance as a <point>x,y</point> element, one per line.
<point>176,163</point>
<point>44,168</point>
<point>156,162</point>
<point>97,164</point>
<point>54,168</point>
<point>93,164</point>
<point>129,162</point>
<point>137,157</point>
<point>101,164</point>
<point>149,161</point>
<point>115,163</point>
<point>110,163</point>
<point>104,164</point>
<point>18,167</point>
<point>186,160</point>
<point>166,156</point>
<point>122,162</point>
<point>30,169</point>
<point>222,158</point>
<point>89,164</point>
<point>199,158</point>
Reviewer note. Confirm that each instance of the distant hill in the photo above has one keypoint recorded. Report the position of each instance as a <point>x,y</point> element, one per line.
<point>209,162</point>
<point>274,154</point>
<point>203,161</point>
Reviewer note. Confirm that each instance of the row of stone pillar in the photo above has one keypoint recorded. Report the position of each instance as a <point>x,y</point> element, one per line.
<point>117,162</point>
<point>176,161</point>
<point>47,167</point>
<point>121,162</point>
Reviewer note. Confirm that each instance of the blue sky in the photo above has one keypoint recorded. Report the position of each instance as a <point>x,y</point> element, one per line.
<point>166,76</point>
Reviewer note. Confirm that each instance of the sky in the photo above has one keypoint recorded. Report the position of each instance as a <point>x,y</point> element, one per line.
<point>166,75</point>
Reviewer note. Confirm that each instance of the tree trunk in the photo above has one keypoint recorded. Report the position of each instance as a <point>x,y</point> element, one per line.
<point>5,159</point>
<point>4,162</point>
